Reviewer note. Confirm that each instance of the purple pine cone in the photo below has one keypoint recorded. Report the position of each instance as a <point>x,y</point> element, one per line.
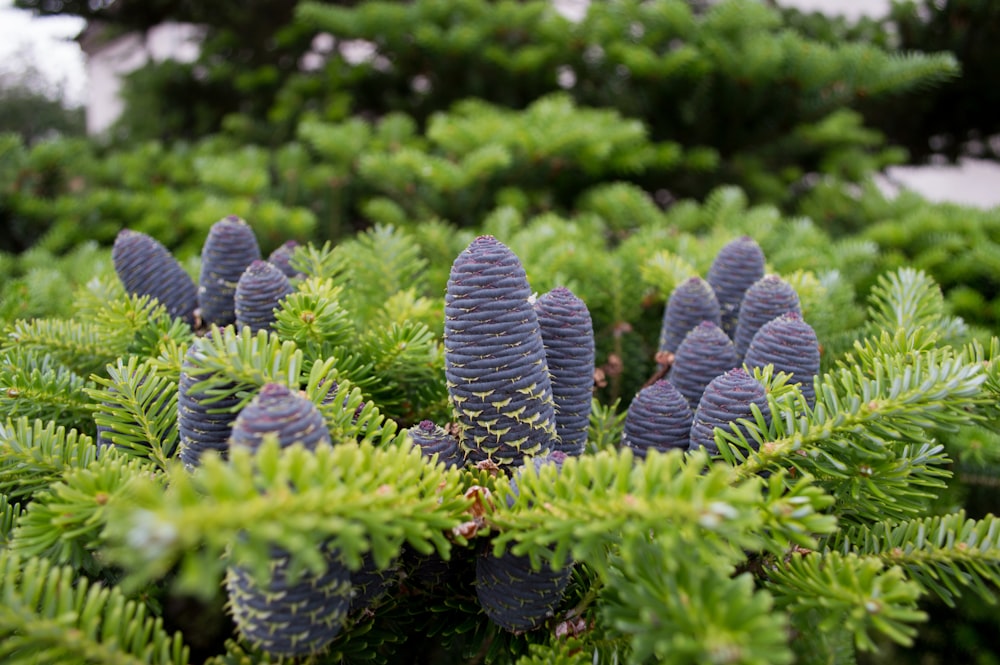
<point>279,411</point>
<point>280,258</point>
<point>705,353</point>
<point>147,268</point>
<point>568,337</point>
<point>369,583</point>
<point>767,299</point>
<point>495,366</point>
<point>692,302</point>
<point>737,265</point>
<point>229,248</point>
<point>203,425</point>
<point>434,439</point>
<point>790,344</point>
<point>258,294</point>
<point>727,399</point>
<point>285,618</point>
<point>659,417</point>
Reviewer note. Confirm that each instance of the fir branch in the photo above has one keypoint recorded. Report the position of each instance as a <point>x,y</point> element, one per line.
<point>314,319</point>
<point>34,454</point>
<point>140,409</point>
<point>606,426</point>
<point>908,299</point>
<point>409,365</point>
<point>672,608</point>
<point>50,616</point>
<point>354,499</point>
<point>238,363</point>
<point>610,499</point>
<point>344,409</point>
<point>944,553</point>
<point>9,514</point>
<point>64,523</point>
<point>869,439</point>
<point>36,386</point>
<point>83,347</point>
<point>858,594</point>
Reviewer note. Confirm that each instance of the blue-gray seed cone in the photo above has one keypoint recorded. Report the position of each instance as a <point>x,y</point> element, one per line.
<point>230,247</point>
<point>705,353</point>
<point>726,399</point>
<point>433,439</point>
<point>280,258</point>
<point>690,303</point>
<point>737,265</point>
<point>568,338</point>
<point>497,376</point>
<point>202,425</point>
<point>146,268</point>
<point>659,418</point>
<point>765,300</point>
<point>278,411</point>
<point>258,294</point>
<point>513,595</point>
<point>285,618</point>
<point>790,345</point>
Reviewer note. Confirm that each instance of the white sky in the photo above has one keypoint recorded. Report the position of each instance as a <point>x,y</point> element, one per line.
<point>47,43</point>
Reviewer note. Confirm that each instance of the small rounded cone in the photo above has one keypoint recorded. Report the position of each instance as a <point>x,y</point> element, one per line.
<point>790,345</point>
<point>737,266</point>
<point>767,299</point>
<point>726,399</point>
<point>259,292</point>
<point>705,353</point>
<point>690,303</point>
<point>278,411</point>
<point>659,418</point>
<point>281,258</point>
<point>230,247</point>
<point>146,268</point>
<point>435,440</point>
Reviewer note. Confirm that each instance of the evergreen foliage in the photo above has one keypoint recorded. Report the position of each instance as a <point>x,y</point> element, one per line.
<point>158,472</point>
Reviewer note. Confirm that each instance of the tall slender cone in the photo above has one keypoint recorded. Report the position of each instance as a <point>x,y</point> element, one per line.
<point>765,300</point>
<point>281,616</point>
<point>203,424</point>
<point>727,399</point>
<point>705,353</point>
<point>514,595</point>
<point>258,295</point>
<point>498,379</point>
<point>790,345</point>
<point>147,268</point>
<point>659,418</point>
<point>229,248</point>
<point>690,303</point>
<point>568,338</point>
<point>737,265</point>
